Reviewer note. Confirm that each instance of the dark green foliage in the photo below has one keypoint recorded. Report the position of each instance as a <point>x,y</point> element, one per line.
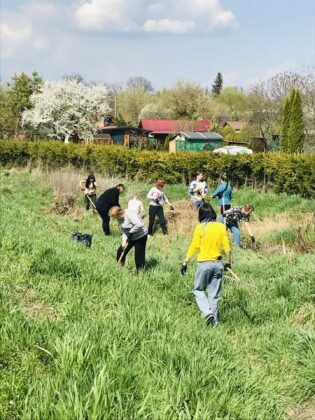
<point>284,139</point>
<point>293,174</point>
<point>14,99</point>
<point>296,128</point>
<point>217,85</point>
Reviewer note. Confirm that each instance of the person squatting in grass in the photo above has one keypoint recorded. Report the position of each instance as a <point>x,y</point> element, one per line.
<point>233,216</point>
<point>107,200</point>
<point>88,186</point>
<point>209,238</point>
<point>224,194</point>
<point>158,198</point>
<point>198,190</point>
<point>134,234</point>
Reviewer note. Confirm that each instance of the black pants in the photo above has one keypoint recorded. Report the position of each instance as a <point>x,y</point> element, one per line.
<point>140,245</point>
<point>104,215</point>
<point>88,202</point>
<point>226,207</point>
<point>157,211</point>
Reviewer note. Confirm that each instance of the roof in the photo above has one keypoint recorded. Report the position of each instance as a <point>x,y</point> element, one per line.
<point>236,125</point>
<point>192,135</point>
<point>173,126</point>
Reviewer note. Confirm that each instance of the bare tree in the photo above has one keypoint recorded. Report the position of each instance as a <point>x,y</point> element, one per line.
<point>139,83</point>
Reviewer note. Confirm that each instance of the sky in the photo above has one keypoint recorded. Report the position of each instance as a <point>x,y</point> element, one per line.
<point>108,41</point>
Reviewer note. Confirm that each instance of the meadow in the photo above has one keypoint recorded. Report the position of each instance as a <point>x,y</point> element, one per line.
<point>82,338</point>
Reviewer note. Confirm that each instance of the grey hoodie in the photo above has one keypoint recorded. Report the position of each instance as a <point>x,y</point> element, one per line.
<point>133,223</point>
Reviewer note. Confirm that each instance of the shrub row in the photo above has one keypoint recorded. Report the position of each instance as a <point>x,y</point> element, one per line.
<point>290,173</point>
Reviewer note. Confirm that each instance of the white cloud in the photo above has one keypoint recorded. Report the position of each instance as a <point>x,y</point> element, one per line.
<point>29,27</point>
<point>108,15</point>
<point>168,16</point>
<point>14,35</point>
<point>169,26</point>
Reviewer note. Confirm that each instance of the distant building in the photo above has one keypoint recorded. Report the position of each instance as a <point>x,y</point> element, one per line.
<point>191,141</point>
<point>121,136</point>
<point>158,129</point>
<point>235,125</point>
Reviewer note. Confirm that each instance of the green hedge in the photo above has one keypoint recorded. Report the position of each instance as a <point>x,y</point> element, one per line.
<point>290,173</point>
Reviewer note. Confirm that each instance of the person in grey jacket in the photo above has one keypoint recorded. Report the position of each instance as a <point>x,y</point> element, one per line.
<point>134,234</point>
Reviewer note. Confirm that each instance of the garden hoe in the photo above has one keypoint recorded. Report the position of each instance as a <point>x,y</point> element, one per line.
<point>91,201</point>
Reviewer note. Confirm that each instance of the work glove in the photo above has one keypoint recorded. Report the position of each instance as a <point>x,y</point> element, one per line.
<point>157,201</point>
<point>183,269</point>
<point>226,266</point>
<point>129,237</point>
<point>252,238</point>
<point>172,208</point>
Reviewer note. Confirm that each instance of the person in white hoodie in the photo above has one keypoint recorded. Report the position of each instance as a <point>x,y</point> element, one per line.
<point>157,200</point>
<point>134,204</point>
<point>134,234</point>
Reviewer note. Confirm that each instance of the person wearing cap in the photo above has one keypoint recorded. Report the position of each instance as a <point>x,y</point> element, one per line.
<point>209,239</point>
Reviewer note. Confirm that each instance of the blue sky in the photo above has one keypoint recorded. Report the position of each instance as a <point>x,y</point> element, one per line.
<point>162,40</point>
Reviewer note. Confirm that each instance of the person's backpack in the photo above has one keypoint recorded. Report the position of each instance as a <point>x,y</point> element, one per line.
<point>84,238</point>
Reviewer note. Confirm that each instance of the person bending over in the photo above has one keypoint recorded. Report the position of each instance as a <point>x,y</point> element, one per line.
<point>88,186</point>
<point>158,199</point>
<point>233,216</point>
<point>106,201</point>
<point>209,238</point>
<point>134,234</point>
<point>198,190</point>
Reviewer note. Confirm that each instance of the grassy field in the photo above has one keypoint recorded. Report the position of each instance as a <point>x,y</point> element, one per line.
<point>82,338</point>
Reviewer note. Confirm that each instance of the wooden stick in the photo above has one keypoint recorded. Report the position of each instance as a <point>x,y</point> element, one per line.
<point>90,201</point>
<point>233,274</point>
<point>123,253</point>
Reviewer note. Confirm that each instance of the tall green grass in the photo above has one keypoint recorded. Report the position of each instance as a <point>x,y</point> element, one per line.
<point>82,338</point>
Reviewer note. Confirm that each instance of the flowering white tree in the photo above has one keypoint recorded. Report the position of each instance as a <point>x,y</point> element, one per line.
<point>67,108</point>
<point>155,111</point>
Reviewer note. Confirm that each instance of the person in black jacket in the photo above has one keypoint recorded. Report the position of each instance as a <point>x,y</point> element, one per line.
<point>109,199</point>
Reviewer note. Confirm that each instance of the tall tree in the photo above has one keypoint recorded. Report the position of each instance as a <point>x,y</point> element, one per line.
<point>139,83</point>
<point>16,99</point>
<point>217,85</point>
<point>296,128</point>
<point>284,135</point>
<point>67,108</point>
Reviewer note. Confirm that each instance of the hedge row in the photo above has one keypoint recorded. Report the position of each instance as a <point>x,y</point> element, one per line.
<point>290,173</point>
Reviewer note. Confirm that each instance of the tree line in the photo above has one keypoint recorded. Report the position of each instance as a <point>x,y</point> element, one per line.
<point>71,107</point>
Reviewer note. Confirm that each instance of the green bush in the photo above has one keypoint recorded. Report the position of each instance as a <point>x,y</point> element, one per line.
<point>282,172</point>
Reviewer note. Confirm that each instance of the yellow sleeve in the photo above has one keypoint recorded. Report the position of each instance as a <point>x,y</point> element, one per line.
<point>195,243</point>
<point>225,241</point>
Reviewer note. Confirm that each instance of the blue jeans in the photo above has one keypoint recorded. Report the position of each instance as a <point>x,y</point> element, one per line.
<point>208,278</point>
<point>235,231</point>
<point>236,234</point>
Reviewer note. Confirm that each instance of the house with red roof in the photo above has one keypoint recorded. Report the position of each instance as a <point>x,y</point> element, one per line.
<point>235,125</point>
<point>158,129</point>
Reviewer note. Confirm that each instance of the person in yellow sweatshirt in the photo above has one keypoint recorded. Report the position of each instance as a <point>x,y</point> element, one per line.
<point>209,238</point>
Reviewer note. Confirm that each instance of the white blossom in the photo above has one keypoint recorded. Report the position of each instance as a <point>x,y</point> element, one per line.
<point>67,108</point>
